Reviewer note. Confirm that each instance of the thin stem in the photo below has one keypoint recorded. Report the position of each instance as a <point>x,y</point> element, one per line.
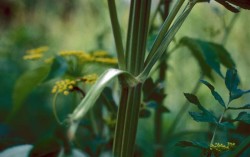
<point>117,34</point>
<point>165,27</point>
<point>183,109</point>
<point>216,127</point>
<point>229,28</point>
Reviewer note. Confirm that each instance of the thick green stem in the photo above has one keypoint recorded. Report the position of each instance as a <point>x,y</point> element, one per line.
<point>128,112</point>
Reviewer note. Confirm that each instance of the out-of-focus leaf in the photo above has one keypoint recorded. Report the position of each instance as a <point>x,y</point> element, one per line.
<point>200,145</point>
<point>108,99</point>
<point>227,125</point>
<point>204,116</point>
<point>144,113</point>
<point>247,106</point>
<point>214,93</point>
<point>192,99</point>
<point>244,117</point>
<point>17,151</point>
<point>26,83</point>
<point>245,4</point>
<point>58,68</point>
<point>163,109</point>
<point>209,55</point>
<point>241,148</point>
<point>153,91</point>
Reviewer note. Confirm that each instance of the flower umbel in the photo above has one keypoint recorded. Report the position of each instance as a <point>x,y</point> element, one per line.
<point>35,54</point>
<point>68,85</point>
<point>219,147</point>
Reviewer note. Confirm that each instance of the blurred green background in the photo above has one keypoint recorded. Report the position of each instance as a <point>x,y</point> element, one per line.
<point>85,25</point>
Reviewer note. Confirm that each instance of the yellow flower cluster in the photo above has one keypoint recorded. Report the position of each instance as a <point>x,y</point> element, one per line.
<point>67,85</point>
<point>35,54</point>
<point>89,79</point>
<point>218,147</point>
<point>63,86</point>
<point>100,53</point>
<point>97,56</point>
<point>79,54</point>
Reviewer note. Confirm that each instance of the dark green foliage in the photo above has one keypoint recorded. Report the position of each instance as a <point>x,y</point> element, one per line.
<point>58,68</point>
<point>27,83</point>
<point>204,116</point>
<point>244,117</point>
<point>200,145</point>
<point>192,99</point>
<point>214,93</point>
<point>209,55</point>
<point>232,82</point>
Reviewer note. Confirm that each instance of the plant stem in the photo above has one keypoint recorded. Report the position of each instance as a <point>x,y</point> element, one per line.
<point>216,127</point>
<point>229,28</point>
<point>117,34</point>
<point>158,119</point>
<point>128,112</point>
<point>165,28</point>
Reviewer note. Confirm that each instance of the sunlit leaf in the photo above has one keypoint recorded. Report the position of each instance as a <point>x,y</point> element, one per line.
<point>244,117</point>
<point>94,93</point>
<point>214,93</point>
<point>200,145</point>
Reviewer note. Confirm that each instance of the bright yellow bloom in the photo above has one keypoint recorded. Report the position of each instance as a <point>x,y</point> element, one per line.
<point>100,53</point>
<point>35,54</point>
<point>89,79</point>
<point>49,60</point>
<point>63,86</point>
<point>218,147</point>
<point>38,50</point>
<point>32,57</point>
<point>107,60</point>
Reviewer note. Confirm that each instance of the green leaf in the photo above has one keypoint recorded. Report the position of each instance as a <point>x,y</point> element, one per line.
<point>204,116</point>
<point>26,83</point>
<point>214,93</point>
<point>244,117</point>
<point>58,68</point>
<point>209,55</point>
<point>226,125</point>
<point>192,99</point>
<point>95,91</point>
<point>196,144</point>
<point>232,82</point>
<point>247,106</point>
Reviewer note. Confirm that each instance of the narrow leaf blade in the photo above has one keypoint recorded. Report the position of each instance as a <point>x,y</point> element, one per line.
<point>214,93</point>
